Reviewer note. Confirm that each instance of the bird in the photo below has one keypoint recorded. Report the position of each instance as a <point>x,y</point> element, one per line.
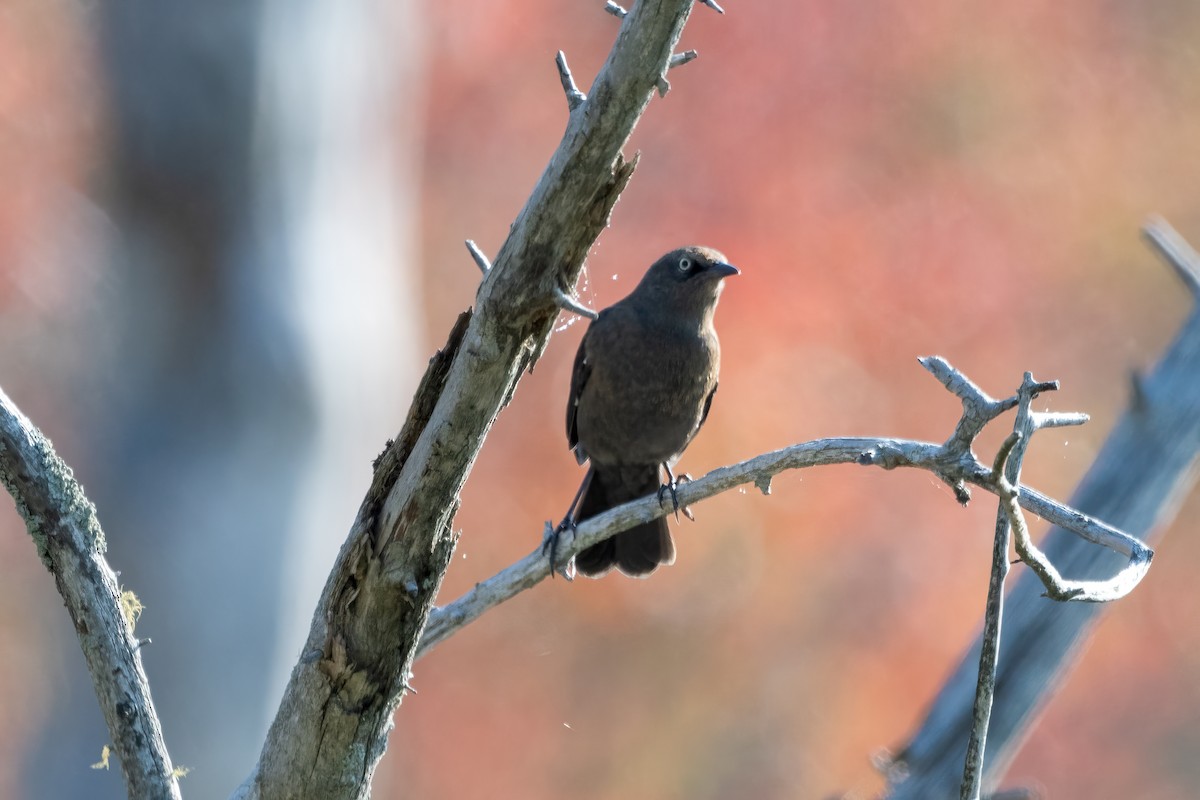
<point>642,385</point>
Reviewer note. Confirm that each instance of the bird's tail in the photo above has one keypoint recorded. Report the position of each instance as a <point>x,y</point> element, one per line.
<point>638,551</point>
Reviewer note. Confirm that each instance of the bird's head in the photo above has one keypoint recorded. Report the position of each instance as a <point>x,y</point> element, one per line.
<point>687,281</point>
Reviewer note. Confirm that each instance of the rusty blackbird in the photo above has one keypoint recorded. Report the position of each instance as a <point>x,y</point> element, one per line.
<point>642,386</point>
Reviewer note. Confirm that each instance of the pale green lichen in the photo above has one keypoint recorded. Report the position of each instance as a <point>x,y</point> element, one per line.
<point>131,607</point>
<point>62,491</point>
<point>105,752</point>
<point>65,493</point>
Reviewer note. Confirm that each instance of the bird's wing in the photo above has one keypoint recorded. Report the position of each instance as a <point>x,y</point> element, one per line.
<point>703,415</point>
<point>579,376</point>
<point>707,406</point>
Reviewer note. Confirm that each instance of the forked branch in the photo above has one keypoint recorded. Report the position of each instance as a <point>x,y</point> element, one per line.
<point>953,461</point>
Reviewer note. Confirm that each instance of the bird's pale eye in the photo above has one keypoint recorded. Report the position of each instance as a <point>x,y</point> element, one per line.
<point>685,264</point>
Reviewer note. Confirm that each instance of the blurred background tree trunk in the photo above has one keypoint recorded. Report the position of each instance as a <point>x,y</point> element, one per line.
<point>261,191</point>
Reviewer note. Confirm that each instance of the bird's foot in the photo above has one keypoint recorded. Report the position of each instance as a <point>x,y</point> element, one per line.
<point>550,544</point>
<point>672,486</point>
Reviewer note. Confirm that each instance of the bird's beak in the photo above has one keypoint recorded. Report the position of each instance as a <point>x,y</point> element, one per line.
<point>724,270</point>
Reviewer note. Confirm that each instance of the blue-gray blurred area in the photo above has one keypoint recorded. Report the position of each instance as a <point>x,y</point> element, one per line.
<point>253,343</point>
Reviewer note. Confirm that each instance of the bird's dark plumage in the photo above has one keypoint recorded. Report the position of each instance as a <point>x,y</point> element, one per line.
<point>642,386</point>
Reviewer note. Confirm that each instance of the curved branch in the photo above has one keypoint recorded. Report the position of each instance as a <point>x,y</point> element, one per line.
<point>947,460</point>
<point>63,524</point>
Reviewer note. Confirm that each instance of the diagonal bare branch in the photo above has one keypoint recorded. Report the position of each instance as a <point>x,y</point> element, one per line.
<point>1175,250</point>
<point>338,704</point>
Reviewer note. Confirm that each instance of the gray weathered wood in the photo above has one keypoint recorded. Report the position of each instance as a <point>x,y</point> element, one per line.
<point>330,730</point>
<point>63,524</point>
<point>1139,477</point>
<point>952,460</point>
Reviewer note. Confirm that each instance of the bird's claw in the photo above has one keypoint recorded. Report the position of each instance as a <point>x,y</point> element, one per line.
<point>672,486</point>
<point>550,540</point>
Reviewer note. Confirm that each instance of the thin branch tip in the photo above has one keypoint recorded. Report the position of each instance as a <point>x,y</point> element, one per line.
<point>575,98</point>
<point>713,5</point>
<point>568,303</point>
<point>1175,250</point>
<point>614,9</point>
<point>478,257</point>
<point>1040,387</point>
<point>679,59</point>
<point>1067,419</point>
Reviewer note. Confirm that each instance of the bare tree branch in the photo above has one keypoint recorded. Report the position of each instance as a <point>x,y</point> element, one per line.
<point>1006,470</point>
<point>985,689</point>
<point>1137,481</point>
<point>686,57</point>
<point>63,524</point>
<point>953,460</point>
<point>617,11</point>
<point>575,98</point>
<point>478,257</point>
<point>330,730</point>
<point>1175,250</point>
<point>568,303</point>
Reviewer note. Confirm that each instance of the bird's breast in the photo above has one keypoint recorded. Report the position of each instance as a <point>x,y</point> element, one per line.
<point>645,397</point>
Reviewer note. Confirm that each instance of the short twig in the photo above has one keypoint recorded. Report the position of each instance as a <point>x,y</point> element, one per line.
<point>575,98</point>
<point>713,5</point>
<point>615,10</point>
<point>1175,250</point>
<point>480,259</point>
<point>568,303</point>
<point>679,59</point>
